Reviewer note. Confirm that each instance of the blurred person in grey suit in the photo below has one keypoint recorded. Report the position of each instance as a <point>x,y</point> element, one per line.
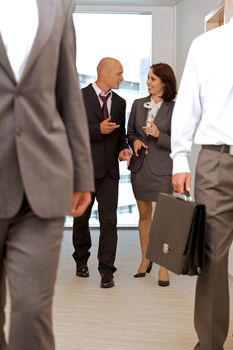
<point>106,119</point>
<point>148,133</point>
<point>204,115</point>
<point>45,161</point>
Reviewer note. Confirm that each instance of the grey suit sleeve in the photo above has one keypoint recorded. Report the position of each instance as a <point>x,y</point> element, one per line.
<point>71,107</point>
<point>164,140</point>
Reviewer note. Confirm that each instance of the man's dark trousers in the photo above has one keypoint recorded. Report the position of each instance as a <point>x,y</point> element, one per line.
<point>107,197</point>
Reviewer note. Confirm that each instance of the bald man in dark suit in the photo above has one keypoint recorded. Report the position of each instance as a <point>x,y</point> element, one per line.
<point>108,144</point>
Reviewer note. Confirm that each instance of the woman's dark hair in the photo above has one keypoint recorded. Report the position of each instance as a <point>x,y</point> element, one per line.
<point>167,76</point>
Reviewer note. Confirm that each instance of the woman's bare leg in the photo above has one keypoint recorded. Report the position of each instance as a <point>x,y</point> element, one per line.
<point>145,212</point>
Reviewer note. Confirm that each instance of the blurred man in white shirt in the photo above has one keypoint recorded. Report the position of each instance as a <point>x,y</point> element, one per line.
<point>203,114</point>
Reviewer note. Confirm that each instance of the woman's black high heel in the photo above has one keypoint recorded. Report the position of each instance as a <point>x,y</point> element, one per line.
<point>163,283</point>
<point>143,274</point>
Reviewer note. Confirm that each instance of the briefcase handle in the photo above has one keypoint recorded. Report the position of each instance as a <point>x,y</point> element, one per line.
<point>184,196</point>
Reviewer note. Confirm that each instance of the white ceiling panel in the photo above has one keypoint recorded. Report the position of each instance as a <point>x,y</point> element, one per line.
<point>164,3</point>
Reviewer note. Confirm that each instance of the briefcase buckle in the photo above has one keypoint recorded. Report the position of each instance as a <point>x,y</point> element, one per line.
<point>166,248</point>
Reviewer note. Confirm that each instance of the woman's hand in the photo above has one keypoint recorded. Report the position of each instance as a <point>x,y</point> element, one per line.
<point>152,130</point>
<point>137,145</point>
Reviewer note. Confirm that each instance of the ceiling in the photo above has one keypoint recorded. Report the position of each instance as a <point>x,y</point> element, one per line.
<point>144,3</point>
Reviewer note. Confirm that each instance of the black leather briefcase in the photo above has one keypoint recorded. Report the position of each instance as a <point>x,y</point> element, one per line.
<point>177,235</point>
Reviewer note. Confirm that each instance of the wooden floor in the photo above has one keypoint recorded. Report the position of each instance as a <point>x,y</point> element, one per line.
<point>136,314</point>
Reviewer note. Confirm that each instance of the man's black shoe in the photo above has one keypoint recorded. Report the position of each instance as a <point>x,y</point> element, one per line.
<point>107,280</point>
<point>82,271</point>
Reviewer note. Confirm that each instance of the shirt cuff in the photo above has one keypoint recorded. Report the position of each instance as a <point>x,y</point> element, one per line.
<point>180,165</point>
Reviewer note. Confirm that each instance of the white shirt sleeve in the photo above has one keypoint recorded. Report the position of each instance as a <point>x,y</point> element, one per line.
<point>186,115</point>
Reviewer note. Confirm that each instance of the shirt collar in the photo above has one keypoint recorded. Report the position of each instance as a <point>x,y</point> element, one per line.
<point>158,105</point>
<point>99,91</point>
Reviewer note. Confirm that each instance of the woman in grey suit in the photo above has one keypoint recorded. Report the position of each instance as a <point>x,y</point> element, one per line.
<point>151,166</point>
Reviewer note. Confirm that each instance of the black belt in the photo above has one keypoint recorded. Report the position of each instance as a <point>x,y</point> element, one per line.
<point>218,148</point>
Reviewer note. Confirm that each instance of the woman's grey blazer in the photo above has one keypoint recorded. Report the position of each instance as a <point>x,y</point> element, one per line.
<point>159,148</point>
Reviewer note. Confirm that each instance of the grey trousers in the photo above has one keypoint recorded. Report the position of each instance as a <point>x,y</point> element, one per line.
<point>214,188</point>
<point>29,253</point>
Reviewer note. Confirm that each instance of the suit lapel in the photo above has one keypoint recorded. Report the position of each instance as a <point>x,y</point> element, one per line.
<point>161,112</point>
<point>95,102</point>
<point>113,105</point>
<point>47,11</point>
<point>164,115</point>
<point>4,61</point>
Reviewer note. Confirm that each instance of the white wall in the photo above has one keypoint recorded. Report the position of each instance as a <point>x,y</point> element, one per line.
<point>190,20</point>
<point>163,30</point>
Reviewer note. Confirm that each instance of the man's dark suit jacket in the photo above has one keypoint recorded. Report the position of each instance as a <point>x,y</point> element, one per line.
<point>105,148</point>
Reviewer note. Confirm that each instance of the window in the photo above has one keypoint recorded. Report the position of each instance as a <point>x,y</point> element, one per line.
<point>128,38</point>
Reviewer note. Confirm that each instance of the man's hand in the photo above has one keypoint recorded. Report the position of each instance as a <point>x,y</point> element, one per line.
<point>181,182</point>
<point>125,154</point>
<point>80,202</point>
<point>137,145</point>
<point>106,126</point>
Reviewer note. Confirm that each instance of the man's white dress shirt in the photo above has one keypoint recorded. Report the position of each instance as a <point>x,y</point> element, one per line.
<point>100,92</point>
<point>203,111</point>
<point>18,27</point>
